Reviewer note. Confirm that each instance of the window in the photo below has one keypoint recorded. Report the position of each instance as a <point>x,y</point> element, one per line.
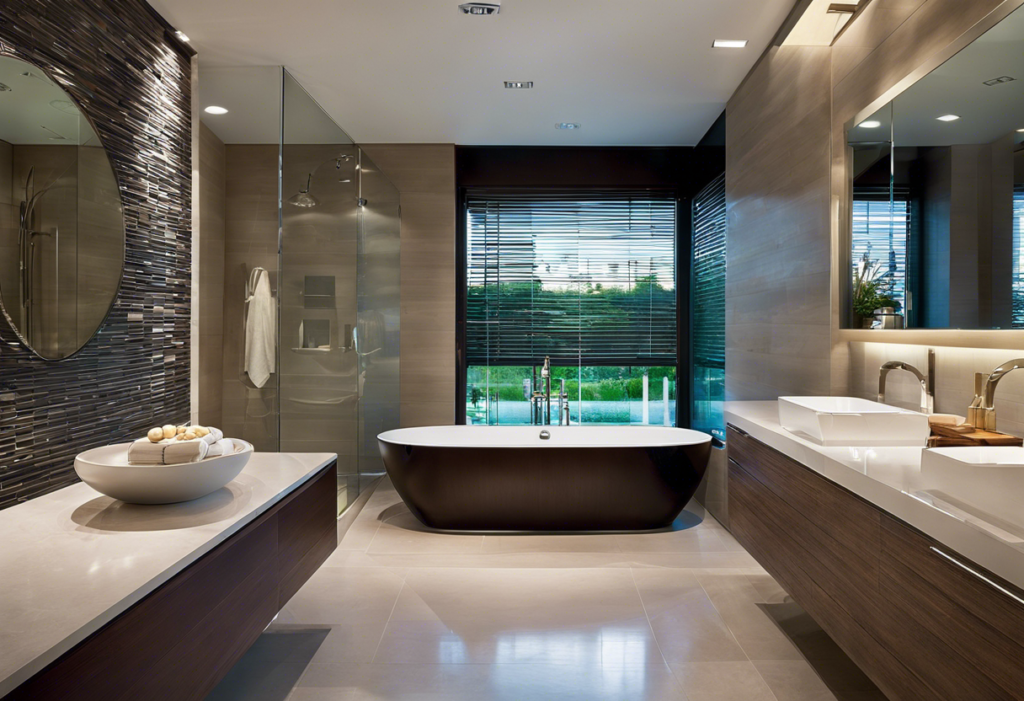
<point>585,278</point>
<point>709,226</point>
<point>1018,258</point>
<point>880,235</point>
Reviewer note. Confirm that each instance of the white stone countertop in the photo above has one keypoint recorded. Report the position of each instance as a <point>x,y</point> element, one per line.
<point>890,478</point>
<point>73,560</point>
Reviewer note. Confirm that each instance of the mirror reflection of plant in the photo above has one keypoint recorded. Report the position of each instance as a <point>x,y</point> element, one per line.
<point>872,288</point>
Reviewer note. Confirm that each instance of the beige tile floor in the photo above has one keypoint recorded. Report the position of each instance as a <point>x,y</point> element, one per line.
<point>399,612</point>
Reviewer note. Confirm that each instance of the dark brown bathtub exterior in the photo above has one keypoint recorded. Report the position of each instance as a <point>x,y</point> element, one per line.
<point>545,489</point>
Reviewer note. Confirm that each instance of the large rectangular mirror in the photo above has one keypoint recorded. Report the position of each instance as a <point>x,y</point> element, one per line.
<point>938,195</point>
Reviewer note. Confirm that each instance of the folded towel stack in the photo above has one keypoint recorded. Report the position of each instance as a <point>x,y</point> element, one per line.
<point>172,451</point>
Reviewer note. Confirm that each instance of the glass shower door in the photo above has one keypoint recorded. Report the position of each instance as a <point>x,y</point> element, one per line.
<point>376,338</point>
<point>318,291</point>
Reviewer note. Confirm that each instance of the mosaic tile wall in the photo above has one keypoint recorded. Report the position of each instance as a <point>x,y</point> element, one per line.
<point>121,64</point>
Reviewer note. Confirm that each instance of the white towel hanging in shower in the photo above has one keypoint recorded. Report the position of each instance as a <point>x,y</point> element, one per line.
<point>260,332</point>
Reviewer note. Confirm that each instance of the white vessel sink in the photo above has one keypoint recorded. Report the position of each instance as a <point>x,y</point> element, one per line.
<point>990,478</point>
<point>107,471</point>
<point>849,421</point>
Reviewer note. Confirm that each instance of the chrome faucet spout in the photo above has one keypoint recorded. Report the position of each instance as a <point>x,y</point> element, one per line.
<point>927,381</point>
<point>993,380</point>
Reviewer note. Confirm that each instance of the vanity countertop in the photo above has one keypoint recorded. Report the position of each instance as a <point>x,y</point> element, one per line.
<point>890,478</point>
<point>73,560</point>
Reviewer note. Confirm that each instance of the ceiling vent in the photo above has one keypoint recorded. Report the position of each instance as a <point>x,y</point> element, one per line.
<point>1000,79</point>
<point>480,8</point>
<point>518,84</point>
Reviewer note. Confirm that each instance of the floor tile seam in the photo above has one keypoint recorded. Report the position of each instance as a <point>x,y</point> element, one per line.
<point>388,622</point>
<point>765,681</point>
<point>373,537</point>
<point>725,622</point>
<point>678,681</point>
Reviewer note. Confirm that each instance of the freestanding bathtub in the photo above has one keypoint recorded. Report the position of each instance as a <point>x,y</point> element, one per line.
<point>545,478</point>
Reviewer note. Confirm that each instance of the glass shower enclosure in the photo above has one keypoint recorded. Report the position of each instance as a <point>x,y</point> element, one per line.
<point>333,264</point>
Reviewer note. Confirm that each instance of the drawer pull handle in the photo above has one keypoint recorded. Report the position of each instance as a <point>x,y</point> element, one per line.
<point>978,575</point>
<point>739,430</point>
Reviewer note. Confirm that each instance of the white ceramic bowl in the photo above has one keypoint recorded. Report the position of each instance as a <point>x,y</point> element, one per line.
<point>107,471</point>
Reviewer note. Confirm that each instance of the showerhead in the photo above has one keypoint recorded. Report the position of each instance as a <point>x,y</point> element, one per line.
<point>303,198</point>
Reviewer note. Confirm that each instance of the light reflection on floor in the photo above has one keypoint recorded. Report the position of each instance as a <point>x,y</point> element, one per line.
<point>400,612</point>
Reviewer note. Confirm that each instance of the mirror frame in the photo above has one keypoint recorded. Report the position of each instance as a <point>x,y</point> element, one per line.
<point>4,53</point>
<point>842,222</point>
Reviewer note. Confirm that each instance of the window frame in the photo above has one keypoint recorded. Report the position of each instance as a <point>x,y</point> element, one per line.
<point>684,372</point>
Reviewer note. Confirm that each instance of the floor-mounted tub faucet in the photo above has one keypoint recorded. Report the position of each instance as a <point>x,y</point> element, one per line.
<point>927,381</point>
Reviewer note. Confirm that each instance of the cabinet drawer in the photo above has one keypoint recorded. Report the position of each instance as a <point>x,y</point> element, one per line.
<point>971,620</point>
<point>845,517</point>
<point>810,551</point>
<point>765,526</point>
<point>843,523</point>
<point>921,620</point>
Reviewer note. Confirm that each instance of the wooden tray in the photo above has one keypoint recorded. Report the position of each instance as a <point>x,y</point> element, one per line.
<point>943,437</point>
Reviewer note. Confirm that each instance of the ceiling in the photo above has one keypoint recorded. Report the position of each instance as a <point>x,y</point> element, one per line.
<point>252,96</point>
<point>641,72</point>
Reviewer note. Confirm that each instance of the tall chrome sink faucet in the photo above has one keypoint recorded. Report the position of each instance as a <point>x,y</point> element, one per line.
<point>989,404</point>
<point>927,381</point>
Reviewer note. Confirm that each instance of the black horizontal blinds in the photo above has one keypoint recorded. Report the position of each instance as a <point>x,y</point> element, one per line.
<point>584,276</point>
<point>709,275</point>
<point>881,233</point>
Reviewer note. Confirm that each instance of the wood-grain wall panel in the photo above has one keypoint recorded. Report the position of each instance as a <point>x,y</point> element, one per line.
<point>425,176</point>
<point>210,373</point>
<point>777,192</point>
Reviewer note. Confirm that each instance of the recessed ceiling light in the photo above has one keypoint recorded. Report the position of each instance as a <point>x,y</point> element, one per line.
<point>870,124</point>
<point>948,118</point>
<point>518,85</point>
<point>1020,131</point>
<point>181,35</point>
<point>567,125</point>
<point>480,8</point>
<point>214,109</point>
<point>729,43</point>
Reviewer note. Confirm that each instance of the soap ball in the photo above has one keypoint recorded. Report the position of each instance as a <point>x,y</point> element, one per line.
<point>201,431</point>
<point>170,431</point>
<point>155,435</point>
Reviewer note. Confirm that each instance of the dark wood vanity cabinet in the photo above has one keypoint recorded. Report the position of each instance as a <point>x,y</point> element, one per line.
<point>921,620</point>
<point>180,640</point>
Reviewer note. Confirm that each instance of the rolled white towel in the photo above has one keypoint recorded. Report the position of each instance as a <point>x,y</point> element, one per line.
<point>171,452</point>
<point>225,446</point>
<point>213,436</point>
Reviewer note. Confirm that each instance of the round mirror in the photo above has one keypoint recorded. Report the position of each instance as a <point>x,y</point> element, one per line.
<point>61,228</point>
